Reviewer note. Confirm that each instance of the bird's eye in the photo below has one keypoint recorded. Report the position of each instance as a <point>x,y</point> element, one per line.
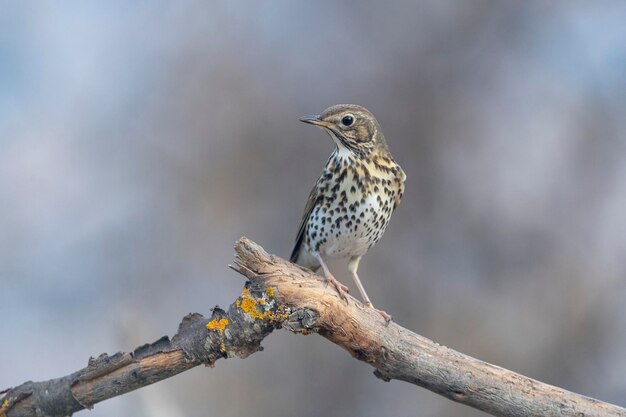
<point>347,120</point>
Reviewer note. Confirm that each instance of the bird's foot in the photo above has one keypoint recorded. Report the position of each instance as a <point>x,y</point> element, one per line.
<point>342,290</point>
<point>385,316</point>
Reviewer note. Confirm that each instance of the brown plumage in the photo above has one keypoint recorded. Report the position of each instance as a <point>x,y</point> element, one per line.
<point>351,203</point>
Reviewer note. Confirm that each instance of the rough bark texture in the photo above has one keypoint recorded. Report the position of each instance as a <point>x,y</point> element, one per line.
<point>398,353</point>
<point>199,340</point>
<point>281,294</point>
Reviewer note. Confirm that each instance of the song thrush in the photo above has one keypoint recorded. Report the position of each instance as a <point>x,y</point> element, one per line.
<point>352,201</point>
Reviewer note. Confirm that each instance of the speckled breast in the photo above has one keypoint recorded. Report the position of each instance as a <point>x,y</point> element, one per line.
<point>353,210</point>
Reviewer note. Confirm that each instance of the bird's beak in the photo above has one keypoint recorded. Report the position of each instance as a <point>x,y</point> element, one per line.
<point>314,119</point>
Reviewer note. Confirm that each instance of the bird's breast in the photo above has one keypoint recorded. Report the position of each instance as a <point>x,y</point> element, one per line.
<point>353,209</point>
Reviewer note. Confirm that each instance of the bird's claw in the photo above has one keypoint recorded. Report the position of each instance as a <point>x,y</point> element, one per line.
<point>341,289</point>
<point>384,315</point>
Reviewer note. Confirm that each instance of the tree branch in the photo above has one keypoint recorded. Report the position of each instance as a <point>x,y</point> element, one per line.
<point>281,294</point>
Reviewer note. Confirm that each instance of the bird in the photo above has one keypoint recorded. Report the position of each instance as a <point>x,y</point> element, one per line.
<point>352,201</point>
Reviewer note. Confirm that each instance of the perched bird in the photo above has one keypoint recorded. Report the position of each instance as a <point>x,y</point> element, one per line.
<point>352,201</point>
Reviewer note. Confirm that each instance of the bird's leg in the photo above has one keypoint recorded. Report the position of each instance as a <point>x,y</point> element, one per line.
<point>353,265</point>
<point>330,279</point>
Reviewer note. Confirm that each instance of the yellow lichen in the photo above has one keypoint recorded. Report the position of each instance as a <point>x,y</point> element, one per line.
<point>219,325</point>
<point>4,407</point>
<point>261,308</point>
<point>248,304</point>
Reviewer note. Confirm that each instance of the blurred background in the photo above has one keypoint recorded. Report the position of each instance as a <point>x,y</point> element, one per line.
<point>139,140</point>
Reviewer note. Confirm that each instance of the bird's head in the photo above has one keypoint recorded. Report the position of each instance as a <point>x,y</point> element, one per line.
<point>351,127</point>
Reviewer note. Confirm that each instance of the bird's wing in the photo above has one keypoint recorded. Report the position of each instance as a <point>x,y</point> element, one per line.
<point>400,193</point>
<point>310,204</point>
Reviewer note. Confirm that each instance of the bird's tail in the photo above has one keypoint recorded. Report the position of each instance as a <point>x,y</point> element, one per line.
<point>304,258</point>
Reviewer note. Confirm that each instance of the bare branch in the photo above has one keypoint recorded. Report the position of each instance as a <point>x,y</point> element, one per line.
<point>398,353</point>
<point>281,294</point>
<point>199,340</point>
